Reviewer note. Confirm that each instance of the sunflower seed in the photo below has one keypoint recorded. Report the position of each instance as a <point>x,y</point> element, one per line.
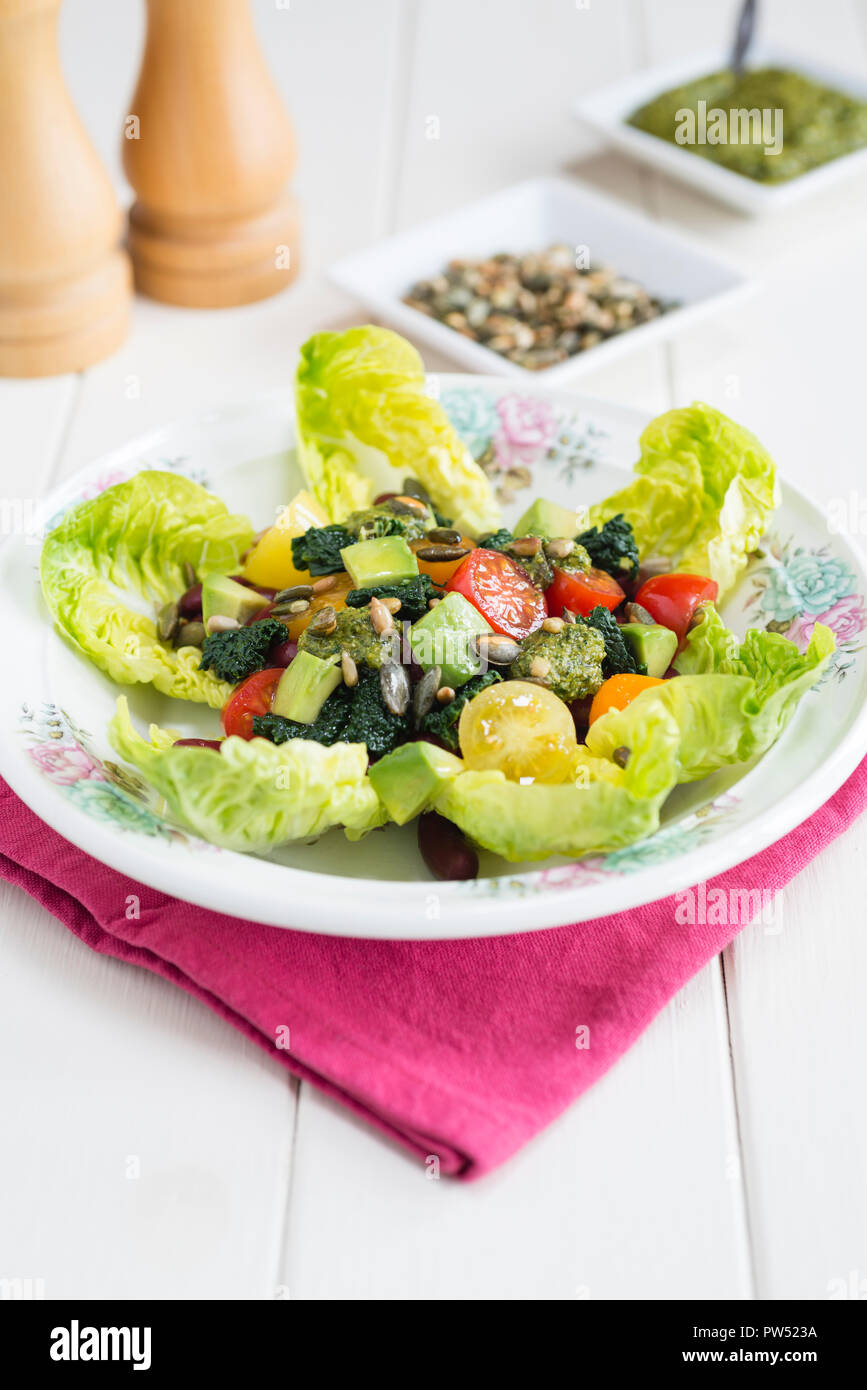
<point>621,756</point>
<point>553,625</point>
<point>380,616</point>
<point>167,622</point>
<point>540,668</point>
<point>438,554</point>
<point>443,535</point>
<point>323,623</point>
<point>526,546</point>
<point>190,635</point>
<point>349,669</point>
<point>426,692</point>
<point>219,622</point>
<point>325,584</point>
<point>297,591</point>
<point>394,684</point>
<point>445,695</point>
<point>559,548</point>
<point>497,650</point>
<point>392,603</point>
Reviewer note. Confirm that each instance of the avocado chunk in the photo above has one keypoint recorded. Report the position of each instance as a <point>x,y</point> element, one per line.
<point>444,638</point>
<point>226,598</point>
<point>385,560</point>
<point>408,780</point>
<point>548,520</point>
<point>305,686</point>
<point>652,646</point>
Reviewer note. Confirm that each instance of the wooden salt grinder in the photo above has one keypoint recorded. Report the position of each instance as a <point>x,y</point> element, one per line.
<point>208,149</point>
<point>65,286</point>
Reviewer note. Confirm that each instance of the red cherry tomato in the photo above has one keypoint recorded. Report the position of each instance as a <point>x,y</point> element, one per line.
<point>501,590</point>
<point>253,696</point>
<point>581,593</point>
<point>671,599</point>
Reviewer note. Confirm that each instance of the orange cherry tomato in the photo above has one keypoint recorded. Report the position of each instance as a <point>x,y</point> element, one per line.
<point>335,596</point>
<point>618,692</point>
<point>253,696</point>
<point>440,571</point>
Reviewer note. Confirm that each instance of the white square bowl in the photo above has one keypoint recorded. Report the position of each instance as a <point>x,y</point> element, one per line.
<point>530,216</point>
<point>609,109</point>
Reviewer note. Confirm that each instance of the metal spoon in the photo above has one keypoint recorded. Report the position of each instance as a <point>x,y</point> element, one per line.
<point>743,35</point>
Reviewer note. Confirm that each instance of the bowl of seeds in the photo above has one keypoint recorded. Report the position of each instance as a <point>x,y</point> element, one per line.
<point>548,277</point>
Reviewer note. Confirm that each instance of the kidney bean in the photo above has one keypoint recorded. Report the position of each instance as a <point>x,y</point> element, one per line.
<point>580,711</point>
<point>383,498</point>
<point>260,615</point>
<point>214,743</point>
<point>259,588</point>
<point>444,849</point>
<point>190,603</point>
<point>282,653</point>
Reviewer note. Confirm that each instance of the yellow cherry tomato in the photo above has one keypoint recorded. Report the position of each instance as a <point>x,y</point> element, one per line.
<point>521,730</point>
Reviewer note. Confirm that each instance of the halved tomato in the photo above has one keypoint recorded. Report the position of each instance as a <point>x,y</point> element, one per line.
<point>671,599</point>
<point>502,591</point>
<point>253,696</point>
<point>581,593</point>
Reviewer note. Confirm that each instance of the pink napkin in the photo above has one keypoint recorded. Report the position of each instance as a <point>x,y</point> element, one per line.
<point>459,1049</point>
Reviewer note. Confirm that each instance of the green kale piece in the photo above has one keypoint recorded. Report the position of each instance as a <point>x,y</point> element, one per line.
<point>414,595</point>
<point>574,655</point>
<point>355,634</point>
<point>618,658</point>
<point>442,722</point>
<point>537,566</point>
<point>318,550</point>
<point>612,547</point>
<point>371,722</point>
<point>327,728</point>
<point>234,655</point>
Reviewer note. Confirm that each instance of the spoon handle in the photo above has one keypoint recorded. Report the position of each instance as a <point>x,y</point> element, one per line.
<point>744,35</point>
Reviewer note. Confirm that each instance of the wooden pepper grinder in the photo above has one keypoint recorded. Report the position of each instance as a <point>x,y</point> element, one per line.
<point>65,286</point>
<point>208,149</point>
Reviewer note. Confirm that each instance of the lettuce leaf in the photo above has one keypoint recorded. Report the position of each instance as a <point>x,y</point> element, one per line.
<point>117,558</point>
<point>365,421</point>
<point>730,705</point>
<point>703,495</point>
<point>253,795</point>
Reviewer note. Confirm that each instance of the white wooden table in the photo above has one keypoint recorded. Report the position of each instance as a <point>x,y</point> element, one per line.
<point>725,1155</point>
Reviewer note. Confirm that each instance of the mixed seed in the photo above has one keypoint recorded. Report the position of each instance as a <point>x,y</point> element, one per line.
<point>536,309</point>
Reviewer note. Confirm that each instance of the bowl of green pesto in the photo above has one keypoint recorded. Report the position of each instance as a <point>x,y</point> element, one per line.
<point>769,124</point>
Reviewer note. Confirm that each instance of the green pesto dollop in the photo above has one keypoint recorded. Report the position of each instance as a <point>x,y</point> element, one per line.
<point>373,522</point>
<point>354,634</point>
<point>574,658</point>
<point>817,123</point>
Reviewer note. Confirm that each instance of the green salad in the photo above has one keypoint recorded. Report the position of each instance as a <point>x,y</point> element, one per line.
<point>388,651</point>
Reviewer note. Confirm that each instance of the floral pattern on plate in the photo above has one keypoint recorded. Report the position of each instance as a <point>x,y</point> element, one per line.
<point>795,587</point>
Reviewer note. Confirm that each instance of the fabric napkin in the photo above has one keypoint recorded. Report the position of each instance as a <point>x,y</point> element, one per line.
<point>459,1049</point>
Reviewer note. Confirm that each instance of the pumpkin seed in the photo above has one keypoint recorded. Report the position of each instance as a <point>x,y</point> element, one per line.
<point>636,614</point>
<point>443,535</point>
<point>394,685</point>
<point>621,756</point>
<point>298,591</point>
<point>189,573</point>
<point>190,635</point>
<point>167,622</point>
<point>426,692</point>
<point>406,506</point>
<point>413,488</point>
<point>496,649</point>
<point>438,554</point>
<point>323,623</point>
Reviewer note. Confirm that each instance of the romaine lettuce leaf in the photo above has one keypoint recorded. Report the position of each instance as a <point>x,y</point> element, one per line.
<point>730,706</point>
<point>254,795</point>
<point>117,558</point>
<point>703,495</point>
<point>365,421</point>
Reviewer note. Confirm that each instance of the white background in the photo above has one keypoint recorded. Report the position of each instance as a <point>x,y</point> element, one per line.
<point>725,1155</point>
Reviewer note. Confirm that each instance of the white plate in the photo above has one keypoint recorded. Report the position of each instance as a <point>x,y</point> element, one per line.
<point>55,705</point>
<point>530,216</point>
<point>609,109</point>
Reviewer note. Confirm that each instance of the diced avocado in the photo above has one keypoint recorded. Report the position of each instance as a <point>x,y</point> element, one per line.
<point>408,780</point>
<point>305,686</point>
<point>444,637</point>
<point>548,519</point>
<point>226,598</point>
<point>652,646</point>
<point>386,560</point>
